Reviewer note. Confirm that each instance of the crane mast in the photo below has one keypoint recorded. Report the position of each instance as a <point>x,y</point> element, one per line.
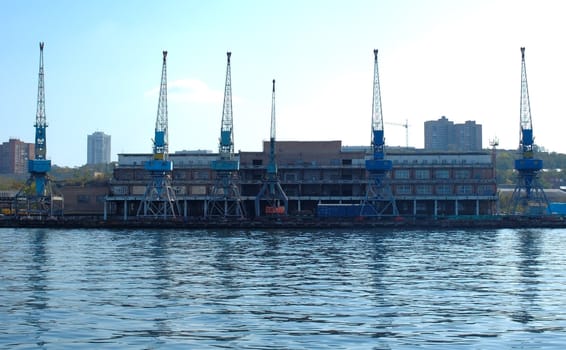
<point>271,190</point>
<point>379,200</point>
<point>224,200</point>
<point>159,199</point>
<point>534,200</point>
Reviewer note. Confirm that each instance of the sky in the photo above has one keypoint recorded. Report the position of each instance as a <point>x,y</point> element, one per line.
<point>459,59</point>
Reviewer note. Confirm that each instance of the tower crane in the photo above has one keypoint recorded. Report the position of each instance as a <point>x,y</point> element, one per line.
<point>41,199</point>
<point>406,126</point>
<point>159,200</point>
<point>224,200</point>
<point>534,199</point>
<point>379,200</point>
<point>271,190</point>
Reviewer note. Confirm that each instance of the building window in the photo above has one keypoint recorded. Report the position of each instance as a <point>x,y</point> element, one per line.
<point>443,189</point>
<point>403,189</point>
<point>402,174</point>
<point>257,162</point>
<point>423,189</point>
<point>422,174</point>
<point>462,174</point>
<point>442,174</point>
<point>464,189</point>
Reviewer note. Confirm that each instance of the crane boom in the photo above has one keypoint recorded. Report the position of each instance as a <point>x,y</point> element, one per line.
<point>40,118</point>
<point>378,141</point>
<point>160,143</point>
<point>226,148</point>
<point>272,167</point>
<point>526,137</point>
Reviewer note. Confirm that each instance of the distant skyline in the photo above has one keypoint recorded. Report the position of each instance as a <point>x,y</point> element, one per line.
<point>459,59</point>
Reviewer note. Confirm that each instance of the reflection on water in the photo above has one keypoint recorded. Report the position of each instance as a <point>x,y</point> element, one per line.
<point>282,289</point>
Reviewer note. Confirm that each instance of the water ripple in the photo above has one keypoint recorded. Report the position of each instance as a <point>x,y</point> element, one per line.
<point>282,289</point>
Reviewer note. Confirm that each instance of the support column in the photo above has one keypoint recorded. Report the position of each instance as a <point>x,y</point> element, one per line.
<point>125,209</point>
<point>456,207</point>
<point>477,207</point>
<point>435,208</point>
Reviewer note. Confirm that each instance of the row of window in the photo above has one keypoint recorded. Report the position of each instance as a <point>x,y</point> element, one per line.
<point>425,174</point>
<point>399,174</point>
<point>444,189</point>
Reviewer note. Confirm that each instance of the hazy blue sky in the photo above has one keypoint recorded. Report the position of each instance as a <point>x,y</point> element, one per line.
<point>460,59</point>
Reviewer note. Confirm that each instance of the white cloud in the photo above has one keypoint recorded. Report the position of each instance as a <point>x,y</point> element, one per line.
<point>189,90</point>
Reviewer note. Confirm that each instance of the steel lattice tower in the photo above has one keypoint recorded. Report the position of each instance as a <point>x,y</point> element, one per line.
<point>37,197</point>
<point>159,200</point>
<point>271,190</point>
<point>224,200</point>
<point>379,200</point>
<point>528,196</point>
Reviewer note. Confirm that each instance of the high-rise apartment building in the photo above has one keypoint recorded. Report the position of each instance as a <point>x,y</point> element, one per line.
<point>98,148</point>
<point>444,135</point>
<point>14,156</point>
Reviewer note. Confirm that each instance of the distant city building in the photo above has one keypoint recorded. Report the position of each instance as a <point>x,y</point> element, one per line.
<point>444,135</point>
<point>98,148</point>
<point>14,156</point>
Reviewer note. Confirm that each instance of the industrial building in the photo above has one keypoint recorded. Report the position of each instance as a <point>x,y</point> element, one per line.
<point>14,156</point>
<point>321,172</point>
<point>98,148</point>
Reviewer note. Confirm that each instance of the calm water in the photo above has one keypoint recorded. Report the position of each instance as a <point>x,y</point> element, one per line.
<point>502,289</point>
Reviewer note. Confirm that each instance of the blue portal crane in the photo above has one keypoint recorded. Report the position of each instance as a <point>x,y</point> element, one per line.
<point>379,200</point>
<point>534,200</point>
<point>271,190</point>
<point>159,200</point>
<point>37,197</point>
<point>224,201</point>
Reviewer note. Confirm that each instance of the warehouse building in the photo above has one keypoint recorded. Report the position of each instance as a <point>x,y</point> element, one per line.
<point>424,183</point>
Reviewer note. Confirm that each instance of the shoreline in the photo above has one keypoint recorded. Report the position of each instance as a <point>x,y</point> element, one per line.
<point>410,223</point>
